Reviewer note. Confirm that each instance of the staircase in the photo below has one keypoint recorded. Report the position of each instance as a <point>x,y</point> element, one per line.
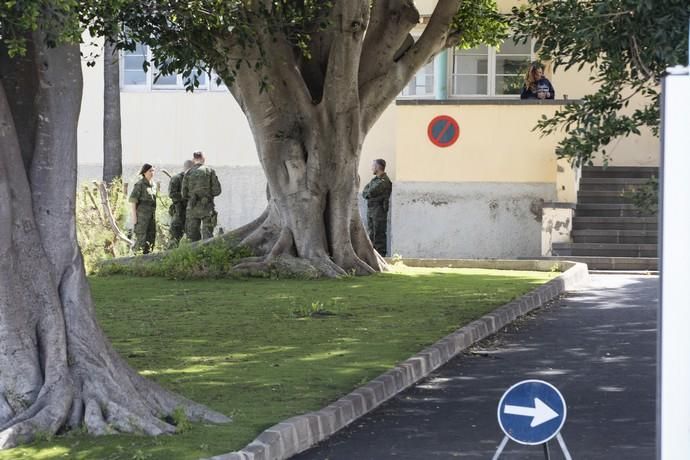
<point>609,233</point>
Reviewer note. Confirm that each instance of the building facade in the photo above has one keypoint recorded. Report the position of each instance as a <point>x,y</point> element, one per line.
<point>482,195</point>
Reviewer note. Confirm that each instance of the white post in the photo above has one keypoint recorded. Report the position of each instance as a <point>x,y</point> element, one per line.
<point>673,420</point>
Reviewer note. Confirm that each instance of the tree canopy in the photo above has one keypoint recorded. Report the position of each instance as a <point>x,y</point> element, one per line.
<point>626,44</point>
<point>312,78</point>
<point>226,35</point>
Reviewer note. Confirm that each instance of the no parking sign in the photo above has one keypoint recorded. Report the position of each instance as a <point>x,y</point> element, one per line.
<point>443,131</point>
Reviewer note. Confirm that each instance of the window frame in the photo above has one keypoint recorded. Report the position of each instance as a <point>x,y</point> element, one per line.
<point>150,87</point>
<point>429,95</point>
<point>147,75</point>
<point>491,75</point>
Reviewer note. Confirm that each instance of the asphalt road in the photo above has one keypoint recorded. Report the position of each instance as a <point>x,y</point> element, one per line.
<point>596,345</point>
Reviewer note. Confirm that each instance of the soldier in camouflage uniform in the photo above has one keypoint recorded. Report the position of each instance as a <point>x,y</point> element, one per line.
<point>143,199</point>
<point>378,193</point>
<point>178,208</point>
<point>199,186</point>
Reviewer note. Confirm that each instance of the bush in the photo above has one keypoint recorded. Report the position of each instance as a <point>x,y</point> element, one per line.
<point>646,197</point>
<point>213,259</point>
<point>97,240</point>
<point>94,234</point>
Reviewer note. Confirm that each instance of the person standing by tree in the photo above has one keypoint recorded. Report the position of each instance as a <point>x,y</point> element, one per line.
<point>537,86</point>
<point>178,209</point>
<point>378,193</point>
<point>199,186</point>
<point>143,199</point>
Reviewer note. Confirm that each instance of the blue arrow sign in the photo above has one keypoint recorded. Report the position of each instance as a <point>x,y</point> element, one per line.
<point>531,412</point>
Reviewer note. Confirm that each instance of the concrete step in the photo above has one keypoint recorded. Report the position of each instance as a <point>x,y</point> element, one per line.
<point>611,184</point>
<point>620,171</point>
<point>613,263</point>
<point>615,236</point>
<point>605,249</point>
<point>615,223</point>
<point>609,210</point>
<point>604,197</point>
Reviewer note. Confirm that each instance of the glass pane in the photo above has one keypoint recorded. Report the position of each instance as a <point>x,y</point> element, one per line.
<point>509,84</point>
<point>216,83</point>
<point>134,77</point>
<point>471,65</point>
<point>470,85</point>
<point>163,80</point>
<point>511,64</point>
<point>134,66</point>
<point>429,84</point>
<point>166,80</point>
<point>139,50</point>
<point>422,84</point>
<point>510,47</point>
<point>202,78</point>
<point>133,62</point>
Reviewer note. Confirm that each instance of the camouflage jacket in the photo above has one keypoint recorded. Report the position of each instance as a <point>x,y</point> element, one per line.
<point>143,195</point>
<point>378,192</point>
<point>175,188</point>
<point>199,186</point>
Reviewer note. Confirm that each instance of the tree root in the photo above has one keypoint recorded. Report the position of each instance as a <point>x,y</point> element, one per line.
<point>131,404</point>
<point>275,252</point>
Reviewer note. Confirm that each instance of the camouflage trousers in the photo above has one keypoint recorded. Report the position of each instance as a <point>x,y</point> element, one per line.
<point>177,222</point>
<point>145,230</point>
<point>377,227</point>
<point>200,227</point>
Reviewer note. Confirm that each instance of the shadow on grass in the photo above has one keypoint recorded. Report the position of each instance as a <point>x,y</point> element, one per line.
<point>239,347</point>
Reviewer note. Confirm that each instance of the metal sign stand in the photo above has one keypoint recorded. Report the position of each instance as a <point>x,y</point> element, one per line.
<point>547,455</point>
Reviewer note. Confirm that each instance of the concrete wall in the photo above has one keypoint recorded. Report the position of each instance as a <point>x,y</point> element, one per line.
<point>476,197</point>
<point>474,220</point>
<point>496,143</point>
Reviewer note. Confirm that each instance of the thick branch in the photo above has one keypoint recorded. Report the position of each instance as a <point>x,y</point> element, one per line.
<point>378,93</point>
<point>107,210</point>
<point>286,98</point>
<point>351,18</point>
<point>388,31</point>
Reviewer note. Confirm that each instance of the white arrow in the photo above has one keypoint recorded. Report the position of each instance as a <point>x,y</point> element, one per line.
<point>540,413</point>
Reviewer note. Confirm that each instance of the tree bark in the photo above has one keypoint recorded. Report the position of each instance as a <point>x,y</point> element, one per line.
<point>310,152</point>
<point>309,129</point>
<point>112,135</point>
<point>57,368</point>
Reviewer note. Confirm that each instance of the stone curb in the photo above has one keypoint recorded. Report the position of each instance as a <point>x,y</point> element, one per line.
<point>299,433</point>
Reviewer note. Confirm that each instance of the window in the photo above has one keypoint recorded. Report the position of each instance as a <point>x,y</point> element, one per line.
<point>422,84</point>
<point>471,71</point>
<point>133,76</point>
<point>133,66</point>
<point>217,84</point>
<point>164,81</point>
<point>489,71</point>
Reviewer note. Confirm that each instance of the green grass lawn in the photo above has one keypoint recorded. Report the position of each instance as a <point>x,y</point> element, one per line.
<point>251,350</point>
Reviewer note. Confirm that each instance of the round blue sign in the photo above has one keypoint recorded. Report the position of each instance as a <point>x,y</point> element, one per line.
<point>531,412</point>
<point>443,131</point>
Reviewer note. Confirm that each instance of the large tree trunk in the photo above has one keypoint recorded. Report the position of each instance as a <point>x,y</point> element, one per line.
<point>112,137</point>
<point>312,224</point>
<point>309,125</point>
<point>309,138</point>
<point>57,369</point>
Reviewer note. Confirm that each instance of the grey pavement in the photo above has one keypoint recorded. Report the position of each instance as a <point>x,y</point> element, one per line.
<point>597,345</point>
